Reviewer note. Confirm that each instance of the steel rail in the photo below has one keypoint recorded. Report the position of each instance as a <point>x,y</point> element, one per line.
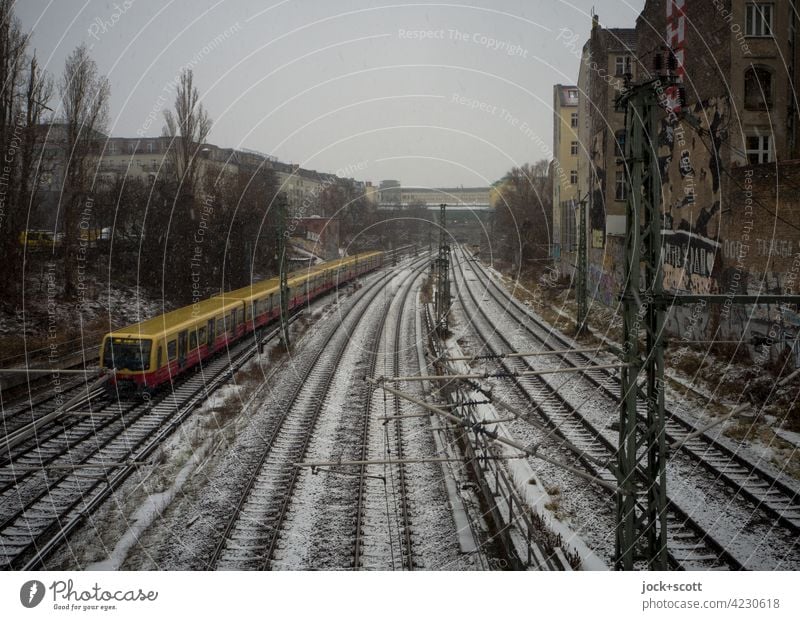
<point>214,560</point>
<point>602,448</point>
<point>775,497</point>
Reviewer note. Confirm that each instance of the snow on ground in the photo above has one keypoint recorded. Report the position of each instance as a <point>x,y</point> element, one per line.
<point>229,427</point>
<point>733,522</point>
<point>755,435</point>
<point>166,515</point>
<point>523,472</point>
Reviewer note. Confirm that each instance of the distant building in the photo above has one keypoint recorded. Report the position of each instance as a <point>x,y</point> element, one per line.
<point>317,235</point>
<point>390,191</point>
<point>608,55</point>
<point>727,156</point>
<point>566,147</point>
<point>451,196</point>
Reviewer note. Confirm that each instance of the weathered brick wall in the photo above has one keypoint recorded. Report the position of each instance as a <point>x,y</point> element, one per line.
<point>728,229</point>
<point>760,253</point>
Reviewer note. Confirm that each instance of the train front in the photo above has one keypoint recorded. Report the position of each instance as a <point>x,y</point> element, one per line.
<point>130,358</point>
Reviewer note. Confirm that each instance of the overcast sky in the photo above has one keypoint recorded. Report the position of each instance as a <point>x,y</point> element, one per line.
<point>373,89</point>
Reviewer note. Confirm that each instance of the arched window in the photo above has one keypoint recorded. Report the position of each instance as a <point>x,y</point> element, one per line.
<point>757,88</point>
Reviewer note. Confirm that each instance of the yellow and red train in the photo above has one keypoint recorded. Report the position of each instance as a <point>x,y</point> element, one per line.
<point>153,352</point>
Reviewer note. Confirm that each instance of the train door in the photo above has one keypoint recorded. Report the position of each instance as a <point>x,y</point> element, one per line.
<point>210,334</point>
<point>182,342</point>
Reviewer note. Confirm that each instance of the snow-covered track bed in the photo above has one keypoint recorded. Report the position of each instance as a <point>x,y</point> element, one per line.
<point>52,482</point>
<point>251,535</point>
<point>383,533</point>
<point>770,491</point>
<point>27,413</point>
<point>580,414</point>
<point>406,519</point>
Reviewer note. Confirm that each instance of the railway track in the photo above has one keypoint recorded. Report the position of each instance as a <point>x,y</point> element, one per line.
<point>370,489</point>
<point>777,498</point>
<point>54,480</point>
<point>251,534</point>
<point>70,475</point>
<point>23,413</point>
<point>690,546</point>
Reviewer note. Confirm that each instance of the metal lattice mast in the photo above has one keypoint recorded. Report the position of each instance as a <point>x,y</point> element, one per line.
<point>580,289</point>
<point>443,275</point>
<point>641,505</point>
<point>280,229</point>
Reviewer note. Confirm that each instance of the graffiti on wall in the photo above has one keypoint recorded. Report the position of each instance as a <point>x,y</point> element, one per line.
<point>688,260</point>
<point>606,273</point>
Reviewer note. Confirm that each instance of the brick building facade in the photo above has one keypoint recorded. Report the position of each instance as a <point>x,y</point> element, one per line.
<point>729,163</point>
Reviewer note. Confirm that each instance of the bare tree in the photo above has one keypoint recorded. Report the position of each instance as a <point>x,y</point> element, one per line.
<point>84,99</point>
<point>522,220</point>
<point>188,126</point>
<point>24,94</point>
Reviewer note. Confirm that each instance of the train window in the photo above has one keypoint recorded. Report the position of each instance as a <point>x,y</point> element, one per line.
<point>192,340</point>
<point>220,326</point>
<point>160,358</point>
<point>201,335</point>
<point>172,349</point>
<point>127,353</point>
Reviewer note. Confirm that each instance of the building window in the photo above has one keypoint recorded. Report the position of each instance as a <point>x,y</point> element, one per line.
<point>758,21</point>
<point>573,177</point>
<point>573,122</point>
<point>150,147</point>
<point>112,148</point>
<point>573,148</point>
<point>619,143</point>
<point>622,65</point>
<point>757,88</point>
<point>131,147</point>
<point>620,187</point>
<point>572,94</point>
<point>758,149</point>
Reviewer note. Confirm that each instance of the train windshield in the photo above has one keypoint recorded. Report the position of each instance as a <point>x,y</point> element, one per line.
<point>127,354</point>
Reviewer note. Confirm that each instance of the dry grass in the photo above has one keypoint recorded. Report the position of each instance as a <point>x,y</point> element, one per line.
<point>426,292</point>
<point>66,341</point>
<point>553,490</point>
<point>220,416</point>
